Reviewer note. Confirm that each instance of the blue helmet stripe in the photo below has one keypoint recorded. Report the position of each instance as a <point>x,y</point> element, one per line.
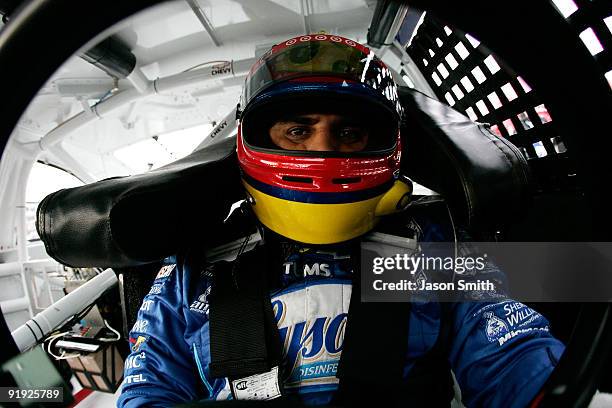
<point>317,197</point>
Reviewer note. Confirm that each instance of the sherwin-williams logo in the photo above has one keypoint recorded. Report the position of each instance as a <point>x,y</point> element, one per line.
<point>495,327</point>
<point>518,315</point>
<point>312,347</point>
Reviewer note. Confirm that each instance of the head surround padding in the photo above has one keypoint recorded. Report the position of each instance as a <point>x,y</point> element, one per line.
<point>485,178</point>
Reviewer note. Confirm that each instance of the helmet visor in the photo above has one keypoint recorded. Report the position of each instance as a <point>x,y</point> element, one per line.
<point>300,123</point>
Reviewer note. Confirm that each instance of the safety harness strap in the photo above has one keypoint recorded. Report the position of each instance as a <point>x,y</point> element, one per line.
<point>430,382</point>
<point>371,363</point>
<point>373,360</point>
<point>244,338</point>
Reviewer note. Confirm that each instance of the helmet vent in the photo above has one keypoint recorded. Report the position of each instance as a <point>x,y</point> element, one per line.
<point>294,179</point>
<point>346,180</point>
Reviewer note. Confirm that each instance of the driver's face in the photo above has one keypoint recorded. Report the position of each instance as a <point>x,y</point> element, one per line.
<point>320,132</point>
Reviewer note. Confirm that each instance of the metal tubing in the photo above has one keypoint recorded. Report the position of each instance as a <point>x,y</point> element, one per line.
<point>197,10</point>
<point>120,99</point>
<point>35,329</point>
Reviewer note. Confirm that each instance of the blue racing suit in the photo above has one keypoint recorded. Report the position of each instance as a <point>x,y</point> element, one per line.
<point>501,352</point>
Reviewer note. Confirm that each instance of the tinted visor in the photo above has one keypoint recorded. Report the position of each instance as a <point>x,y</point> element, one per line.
<point>352,125</point>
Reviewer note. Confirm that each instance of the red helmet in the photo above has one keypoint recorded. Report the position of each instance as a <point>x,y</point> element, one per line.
<point>321,197</point>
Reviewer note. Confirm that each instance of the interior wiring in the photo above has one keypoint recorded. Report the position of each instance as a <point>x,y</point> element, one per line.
<point>207,63</point>
<point>49,342</point>
<point>117,334</point>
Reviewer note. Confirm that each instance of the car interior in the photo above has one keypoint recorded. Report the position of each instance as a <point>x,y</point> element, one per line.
<point>505,122</point>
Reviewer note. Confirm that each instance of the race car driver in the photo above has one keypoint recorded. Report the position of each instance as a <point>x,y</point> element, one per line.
<point>319,152</point>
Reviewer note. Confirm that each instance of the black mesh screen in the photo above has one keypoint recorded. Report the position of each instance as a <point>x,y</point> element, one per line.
<point>468,76</point>
<point>592,21</point>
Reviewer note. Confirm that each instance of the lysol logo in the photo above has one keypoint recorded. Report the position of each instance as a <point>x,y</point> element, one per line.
<point>313,340</point>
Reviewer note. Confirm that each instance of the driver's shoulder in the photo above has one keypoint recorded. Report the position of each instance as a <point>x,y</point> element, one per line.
<point>195,265</point>
<point>425,222</point>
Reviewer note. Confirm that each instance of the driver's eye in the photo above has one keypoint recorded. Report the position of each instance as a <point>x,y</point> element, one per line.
<point>297,132</point>
<point>351,135</point>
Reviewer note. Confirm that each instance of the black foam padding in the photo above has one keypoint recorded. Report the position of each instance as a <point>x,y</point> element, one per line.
<point>134,220</point>
<point>484,178</point>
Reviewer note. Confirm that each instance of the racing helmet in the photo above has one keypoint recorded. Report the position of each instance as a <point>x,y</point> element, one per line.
<point>321,197</point>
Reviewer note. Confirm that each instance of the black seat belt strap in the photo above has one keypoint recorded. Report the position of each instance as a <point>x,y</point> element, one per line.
<point>375,346</point>
<point>244,338</point>
<point>429,381</point>
<point>374,357</point>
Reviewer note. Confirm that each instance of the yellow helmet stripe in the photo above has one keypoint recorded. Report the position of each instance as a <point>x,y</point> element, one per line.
<point>314,223</point>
